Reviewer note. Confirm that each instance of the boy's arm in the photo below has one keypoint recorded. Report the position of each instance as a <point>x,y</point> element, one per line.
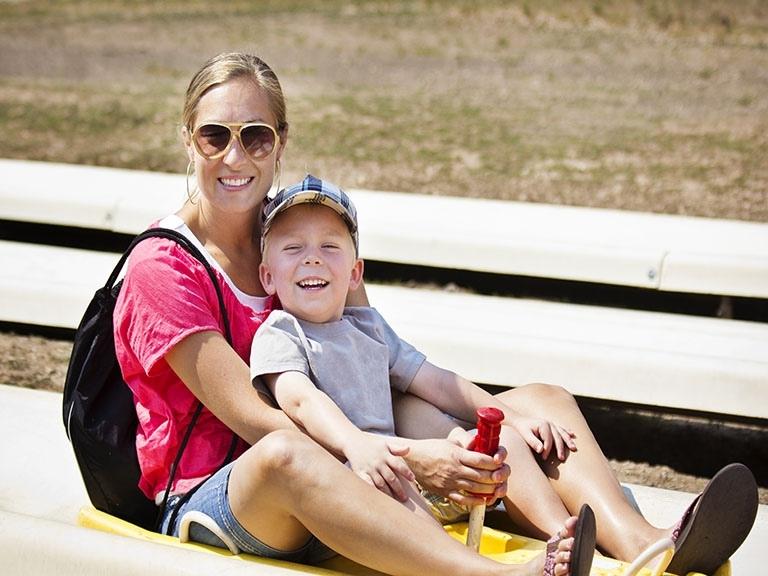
<point>369,455</point>
<point>454,394</point>
<point>461,398</point>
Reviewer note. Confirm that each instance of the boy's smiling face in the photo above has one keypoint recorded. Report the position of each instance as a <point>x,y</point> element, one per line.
<point>309,262</point>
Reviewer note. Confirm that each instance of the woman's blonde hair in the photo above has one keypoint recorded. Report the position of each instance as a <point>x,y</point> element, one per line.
<point>228,66</point>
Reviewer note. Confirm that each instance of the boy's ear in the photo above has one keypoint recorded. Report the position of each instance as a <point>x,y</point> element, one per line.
<point>357,275</point>
<point>266,279</point>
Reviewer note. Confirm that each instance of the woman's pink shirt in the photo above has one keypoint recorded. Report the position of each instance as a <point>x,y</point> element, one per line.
<point>166,296</point>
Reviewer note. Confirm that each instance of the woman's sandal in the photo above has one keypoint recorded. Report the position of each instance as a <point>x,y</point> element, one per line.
<point>716,523</point>
<point>583,551</point>
<point>663,549</point>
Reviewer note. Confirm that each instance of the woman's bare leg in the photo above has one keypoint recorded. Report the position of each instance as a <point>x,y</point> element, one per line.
<point>585,476</point>
<point>286,486</point>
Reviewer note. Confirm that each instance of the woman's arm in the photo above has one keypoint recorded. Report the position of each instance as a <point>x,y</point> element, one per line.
<point>220,379</point>
<point>442,466</point>
<point>369,455</point>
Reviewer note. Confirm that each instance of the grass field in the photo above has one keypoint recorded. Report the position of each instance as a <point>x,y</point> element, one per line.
<point>639,105</point>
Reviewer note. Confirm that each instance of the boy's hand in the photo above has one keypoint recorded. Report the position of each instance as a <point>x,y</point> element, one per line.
<point>542,436</point>
<point>448,469</point>
<point>379,461</point>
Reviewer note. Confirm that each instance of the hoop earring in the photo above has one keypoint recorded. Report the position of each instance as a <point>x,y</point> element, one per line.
<point>190,171</point>
<point>279,171</point>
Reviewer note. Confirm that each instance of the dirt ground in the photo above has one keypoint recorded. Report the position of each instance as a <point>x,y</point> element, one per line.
<point>653,106</point>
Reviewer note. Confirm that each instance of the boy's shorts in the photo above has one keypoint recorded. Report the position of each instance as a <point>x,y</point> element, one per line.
<point>211,499</point>
<point>445,510</point>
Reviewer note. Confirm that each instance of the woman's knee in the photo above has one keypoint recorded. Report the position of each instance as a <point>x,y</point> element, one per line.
<point>553,393</point>
<point>279,452</point>
<point>539,394</point>
<point>266,486</point>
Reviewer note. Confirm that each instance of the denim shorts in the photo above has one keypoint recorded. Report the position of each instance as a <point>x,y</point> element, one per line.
<point>211,499</point>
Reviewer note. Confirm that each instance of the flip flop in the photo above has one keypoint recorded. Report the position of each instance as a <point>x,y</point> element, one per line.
<point>583,551</point>
<point>716,523</point>
<point>662,549</point>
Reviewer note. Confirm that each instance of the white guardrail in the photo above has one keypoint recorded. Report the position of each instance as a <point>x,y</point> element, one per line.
<point>695,363</point>
<point>670,253</point>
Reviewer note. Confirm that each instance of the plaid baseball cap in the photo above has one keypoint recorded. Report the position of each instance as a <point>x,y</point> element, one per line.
<point>311,190</point>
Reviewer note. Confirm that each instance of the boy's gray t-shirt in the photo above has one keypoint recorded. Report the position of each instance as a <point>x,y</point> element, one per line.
<point>354,361</point>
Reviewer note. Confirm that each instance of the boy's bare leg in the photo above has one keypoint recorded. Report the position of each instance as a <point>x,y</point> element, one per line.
<point>287,486</point>
<point>531,502</point>
<point>585,476</point>
<point>416,503</point>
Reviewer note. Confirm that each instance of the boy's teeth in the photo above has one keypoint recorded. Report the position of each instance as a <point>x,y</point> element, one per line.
<point>312,282</point>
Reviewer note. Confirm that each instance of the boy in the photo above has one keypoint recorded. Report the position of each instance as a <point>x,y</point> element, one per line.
<point>330,368</point>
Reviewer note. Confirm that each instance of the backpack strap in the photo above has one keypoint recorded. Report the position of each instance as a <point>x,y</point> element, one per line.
<point>185,243</point>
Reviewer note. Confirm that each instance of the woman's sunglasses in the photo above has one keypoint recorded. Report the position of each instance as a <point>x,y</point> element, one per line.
<point>213,139</point>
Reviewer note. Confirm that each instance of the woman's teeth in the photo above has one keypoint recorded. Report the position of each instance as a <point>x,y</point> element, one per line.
<point>235,181</point>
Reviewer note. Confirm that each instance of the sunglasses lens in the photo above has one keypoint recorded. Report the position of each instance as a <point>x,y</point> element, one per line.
<point>212,139</point>
<point>258,141</point>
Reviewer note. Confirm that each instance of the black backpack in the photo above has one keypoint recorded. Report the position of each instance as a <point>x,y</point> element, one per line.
<point>99,413</point>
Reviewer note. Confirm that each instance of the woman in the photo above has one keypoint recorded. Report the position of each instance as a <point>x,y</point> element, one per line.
<point>280,492</point>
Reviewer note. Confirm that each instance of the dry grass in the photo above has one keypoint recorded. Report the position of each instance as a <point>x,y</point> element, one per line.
<point>640,105</point>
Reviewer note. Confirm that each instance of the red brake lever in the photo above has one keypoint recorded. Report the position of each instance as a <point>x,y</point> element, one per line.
<point>488,428</point>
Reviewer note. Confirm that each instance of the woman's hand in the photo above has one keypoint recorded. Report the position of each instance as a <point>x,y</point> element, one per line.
<point>379,461</point>
<point>449,469</point>
<point>461,437</point>
<point>542,436</point>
